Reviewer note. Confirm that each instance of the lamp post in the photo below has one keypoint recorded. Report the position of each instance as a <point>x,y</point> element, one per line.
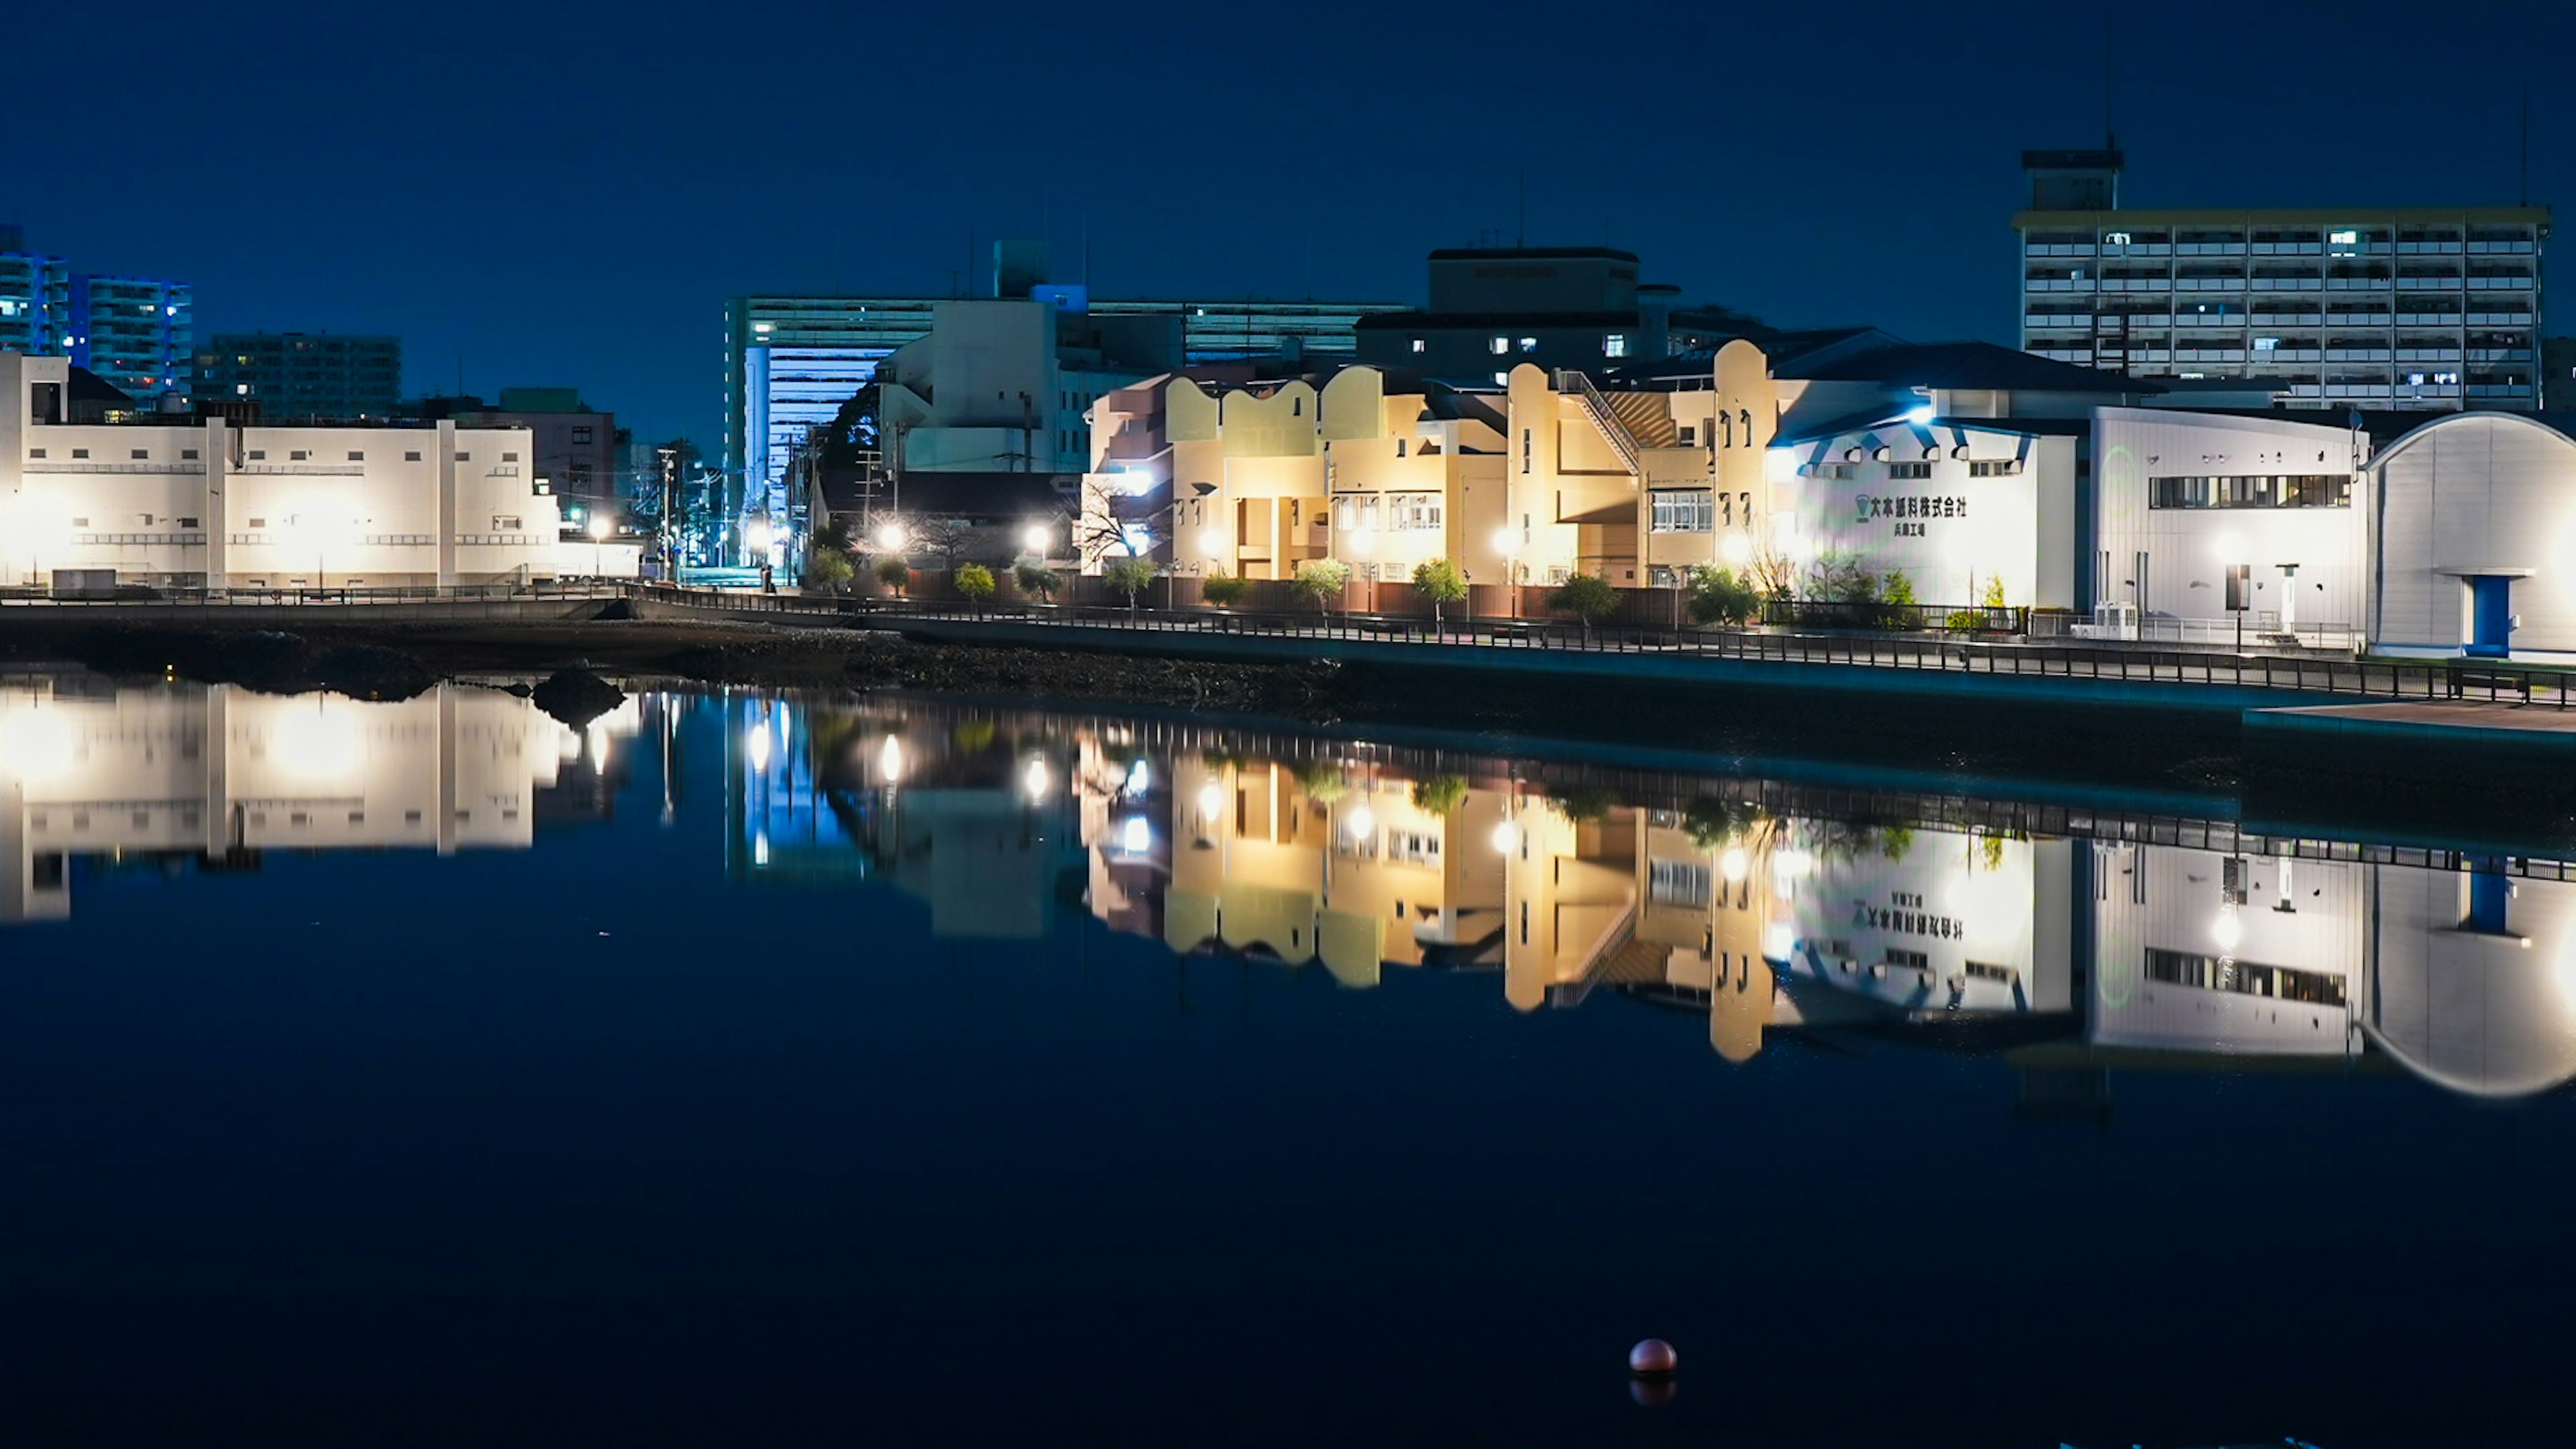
<point>599,528</point>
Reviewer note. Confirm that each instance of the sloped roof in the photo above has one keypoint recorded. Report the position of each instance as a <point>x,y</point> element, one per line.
<point>1963,366</point>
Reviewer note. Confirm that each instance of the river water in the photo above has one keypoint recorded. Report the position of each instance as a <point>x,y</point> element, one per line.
<point>780,1069</point>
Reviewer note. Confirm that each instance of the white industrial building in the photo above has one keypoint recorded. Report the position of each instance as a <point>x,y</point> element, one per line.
<point>2413,536</point>
<point>190,503</point>
<point>2184,498</point>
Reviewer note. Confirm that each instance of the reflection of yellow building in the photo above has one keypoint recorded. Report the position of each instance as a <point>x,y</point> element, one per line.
<point>224,773</point>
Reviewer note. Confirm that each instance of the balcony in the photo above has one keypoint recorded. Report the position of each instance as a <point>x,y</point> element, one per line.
<point>2500,319</point>
<point>2209,284</point>
<point>2137,284</point>
<point>2056,284</point>
<point>2052,320</point>
<point>2500,284</point>
<point>2501,248</point>
<point>2360,284</point>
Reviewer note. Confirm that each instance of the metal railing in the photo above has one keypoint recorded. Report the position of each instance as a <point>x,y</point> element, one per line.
<point>1621,441</point>
<point>358,595</point>
<point>2423,680</point>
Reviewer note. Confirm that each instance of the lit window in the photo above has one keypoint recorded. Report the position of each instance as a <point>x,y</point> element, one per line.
<point>1417,344</point>
<point>2115,238</point>
<point>1615,345</point>
<point>2266,344</point>
<point>1502,379</point>
<point>1529,344</point>
<point>1502,345</point>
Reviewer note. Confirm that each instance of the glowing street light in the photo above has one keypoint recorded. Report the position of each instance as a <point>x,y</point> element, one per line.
<point>890,535</point>
<point>600,527</point>
<point>1035,539</point>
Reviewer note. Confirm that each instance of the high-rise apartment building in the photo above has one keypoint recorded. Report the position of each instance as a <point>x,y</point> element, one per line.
<point>132,332</point>
<point>35,298</point>
<point>135,333</point>
<point>2366,307</point>
<point>294,375</point>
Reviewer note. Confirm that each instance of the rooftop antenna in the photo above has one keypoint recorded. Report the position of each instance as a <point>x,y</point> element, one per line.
<point>2110,28</point>
<point>2522,188</point>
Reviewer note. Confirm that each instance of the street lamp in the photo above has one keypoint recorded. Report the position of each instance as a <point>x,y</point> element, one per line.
<point>599,530</point>
<point>1035,539</point>
<point>890,535</point>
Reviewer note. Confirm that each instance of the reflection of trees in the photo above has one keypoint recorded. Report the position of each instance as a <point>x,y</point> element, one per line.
<point>1439,794</point>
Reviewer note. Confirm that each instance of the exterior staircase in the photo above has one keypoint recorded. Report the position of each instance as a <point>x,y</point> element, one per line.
<point>1646,417</point>
<point>1576,385</point>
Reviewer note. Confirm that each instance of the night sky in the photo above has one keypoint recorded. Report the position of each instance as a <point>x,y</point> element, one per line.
<point>565,194</point>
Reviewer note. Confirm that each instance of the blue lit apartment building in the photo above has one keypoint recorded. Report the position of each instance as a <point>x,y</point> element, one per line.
<point>135,334</point>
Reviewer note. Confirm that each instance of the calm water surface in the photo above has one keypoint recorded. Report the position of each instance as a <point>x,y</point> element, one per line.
<point>763,1069</point>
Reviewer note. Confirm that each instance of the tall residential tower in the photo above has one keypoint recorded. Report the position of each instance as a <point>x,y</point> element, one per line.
<point>2376,307</point>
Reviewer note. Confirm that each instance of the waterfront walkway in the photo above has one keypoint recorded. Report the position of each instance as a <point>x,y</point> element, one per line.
<point>1666,652</point>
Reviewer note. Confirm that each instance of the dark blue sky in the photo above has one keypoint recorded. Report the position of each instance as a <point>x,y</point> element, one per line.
<point>566,194</point>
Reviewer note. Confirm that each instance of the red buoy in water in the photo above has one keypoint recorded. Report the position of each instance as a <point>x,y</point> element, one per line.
<point>1652,1359</point>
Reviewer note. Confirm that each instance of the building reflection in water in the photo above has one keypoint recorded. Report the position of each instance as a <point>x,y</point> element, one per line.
<point>171,775</point>
<point>2069,942</point>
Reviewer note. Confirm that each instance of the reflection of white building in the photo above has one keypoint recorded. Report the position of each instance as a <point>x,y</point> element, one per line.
<point>1928,922</point>
<point>2194,950</point>
<point>223,773</point>
<point>2474,979</point>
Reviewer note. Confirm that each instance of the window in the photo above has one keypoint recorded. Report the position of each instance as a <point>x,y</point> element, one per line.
<point>465,457</point>
<point>2259,490</point>
<point>1689,436</point>
<point>1502,379</point>
<point>187,454</point>
<point>1525,450</point>
<point>1502,345</point>
<point>299,455</point>
<point>35,452</point>
<point>1414,511</point>
<point>1682,510</point>
<point>1355,511</point>
<point>80,452</point>
<point>1615,345</point>
<point>1993,467</point>
<point>1529,344</point>
<point>357,457</point>
<point>1418,344</point>
<point>411,455</point>
<point>581,434</point>
<point>505,523</point>
<point>509,457</point>
<point>191,523</point>
<point>2245,978</point>
<point>1677,882</point>
<point>1915,471</point>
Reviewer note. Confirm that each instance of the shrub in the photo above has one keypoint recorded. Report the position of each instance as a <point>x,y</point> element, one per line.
<point>1439,794</point>
<point>1322,579</point>
<point>1035,580</point>
<point>894,573</point>
<point>827,570</point>
<point>1224,590</point>
<point>1588,597</point>
<point>1130,576</point>
<point>974,582</point>
<point>1441,583</point>
<point>1723,596</point>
